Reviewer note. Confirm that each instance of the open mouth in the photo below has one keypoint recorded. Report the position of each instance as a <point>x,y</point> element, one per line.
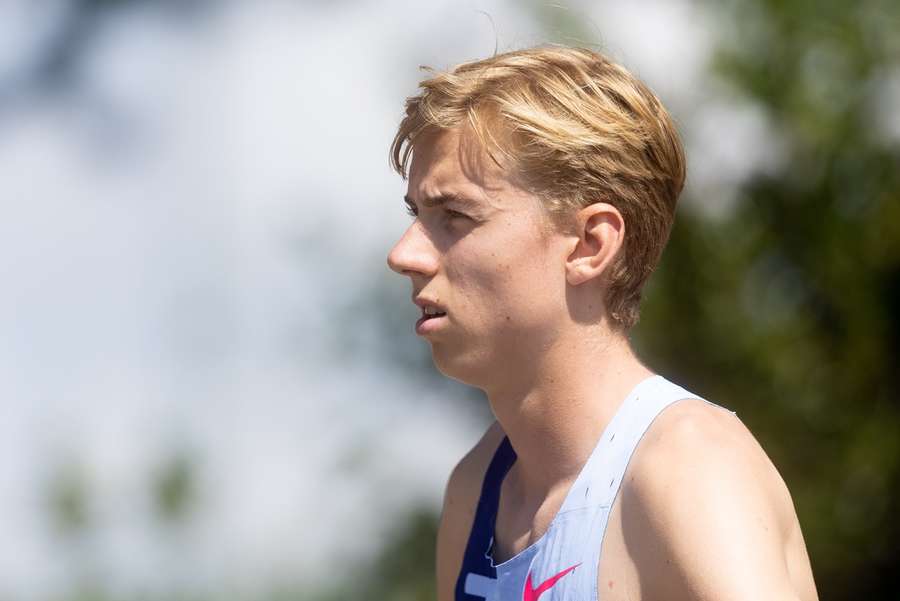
<point>430,321</point>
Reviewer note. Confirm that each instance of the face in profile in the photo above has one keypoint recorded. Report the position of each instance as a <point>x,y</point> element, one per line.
<point>486,265</point>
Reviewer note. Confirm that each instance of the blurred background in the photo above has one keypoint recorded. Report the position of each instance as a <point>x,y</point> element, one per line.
<point>210,387</point>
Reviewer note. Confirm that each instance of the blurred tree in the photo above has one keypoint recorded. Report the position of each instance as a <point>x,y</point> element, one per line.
<point>405,569</point>
<point>786,309</point>
<point>68,499</point>
<point>174,488</point>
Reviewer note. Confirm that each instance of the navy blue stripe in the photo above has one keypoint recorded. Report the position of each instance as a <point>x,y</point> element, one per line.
<point>480,538</point>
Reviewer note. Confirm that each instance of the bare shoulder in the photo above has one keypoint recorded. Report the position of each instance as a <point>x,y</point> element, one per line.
<point>703,505</point>
<point>692,444</point>
<point>460,501</point>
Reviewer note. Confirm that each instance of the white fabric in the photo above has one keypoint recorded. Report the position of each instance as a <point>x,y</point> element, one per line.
<point>576,533</point>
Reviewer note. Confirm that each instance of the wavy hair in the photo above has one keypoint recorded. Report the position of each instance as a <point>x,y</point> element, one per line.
<point>575,128</point>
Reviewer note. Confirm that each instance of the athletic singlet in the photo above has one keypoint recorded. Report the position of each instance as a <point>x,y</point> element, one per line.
<point>562,564</point>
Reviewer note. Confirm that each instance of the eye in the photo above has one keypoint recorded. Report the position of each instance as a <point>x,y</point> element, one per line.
<point>453,214</point>
<point>412,210</point>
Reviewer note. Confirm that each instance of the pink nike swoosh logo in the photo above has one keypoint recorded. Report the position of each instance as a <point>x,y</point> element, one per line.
<point>532,594</point>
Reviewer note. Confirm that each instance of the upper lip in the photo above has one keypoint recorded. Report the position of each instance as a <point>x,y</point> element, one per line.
<point>427,303</point>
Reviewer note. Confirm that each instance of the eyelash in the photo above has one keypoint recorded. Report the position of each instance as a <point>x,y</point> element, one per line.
<point>413,211</point>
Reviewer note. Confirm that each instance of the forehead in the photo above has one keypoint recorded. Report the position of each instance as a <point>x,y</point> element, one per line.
<point>453,162</point>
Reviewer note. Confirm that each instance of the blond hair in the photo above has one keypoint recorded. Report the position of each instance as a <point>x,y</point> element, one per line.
<point>575,128</point>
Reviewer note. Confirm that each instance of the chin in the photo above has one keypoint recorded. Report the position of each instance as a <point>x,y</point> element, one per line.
<point>467,368</point>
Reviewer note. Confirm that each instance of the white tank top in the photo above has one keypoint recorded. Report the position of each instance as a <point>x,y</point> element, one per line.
<point>562,564</point>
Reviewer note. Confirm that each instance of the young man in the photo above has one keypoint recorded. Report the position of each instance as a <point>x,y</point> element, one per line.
<point>543,183</point>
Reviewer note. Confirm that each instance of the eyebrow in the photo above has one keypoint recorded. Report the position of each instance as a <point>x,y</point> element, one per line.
<point>440,200</point>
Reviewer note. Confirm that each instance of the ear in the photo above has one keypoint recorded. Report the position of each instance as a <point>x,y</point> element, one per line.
<point>600,232</point>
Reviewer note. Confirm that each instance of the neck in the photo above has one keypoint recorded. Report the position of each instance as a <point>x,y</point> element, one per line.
<point>555,418</point>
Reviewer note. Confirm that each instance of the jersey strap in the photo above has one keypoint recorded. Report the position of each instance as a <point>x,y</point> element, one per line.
<point>477,576</point>
<point>610,461</point>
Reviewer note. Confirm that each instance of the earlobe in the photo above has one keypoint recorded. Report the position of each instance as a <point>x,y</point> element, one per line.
<point>577,272</point>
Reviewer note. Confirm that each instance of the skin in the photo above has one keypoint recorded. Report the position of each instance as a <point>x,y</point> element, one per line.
<point>702,513</point>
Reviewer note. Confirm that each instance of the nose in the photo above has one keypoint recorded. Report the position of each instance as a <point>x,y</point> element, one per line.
<point>413,253</point>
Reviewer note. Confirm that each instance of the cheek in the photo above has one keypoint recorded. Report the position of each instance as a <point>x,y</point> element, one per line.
<point>514,284</point>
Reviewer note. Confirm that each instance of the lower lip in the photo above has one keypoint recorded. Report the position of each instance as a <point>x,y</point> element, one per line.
<point>429,325</point>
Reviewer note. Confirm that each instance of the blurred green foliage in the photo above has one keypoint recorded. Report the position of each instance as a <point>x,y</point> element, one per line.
<point>68,501</point>
<point>405,569</point>
<point>788,308</point>
<point>174,488</point>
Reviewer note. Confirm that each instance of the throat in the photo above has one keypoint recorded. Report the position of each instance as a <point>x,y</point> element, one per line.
<point>520,523</point>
